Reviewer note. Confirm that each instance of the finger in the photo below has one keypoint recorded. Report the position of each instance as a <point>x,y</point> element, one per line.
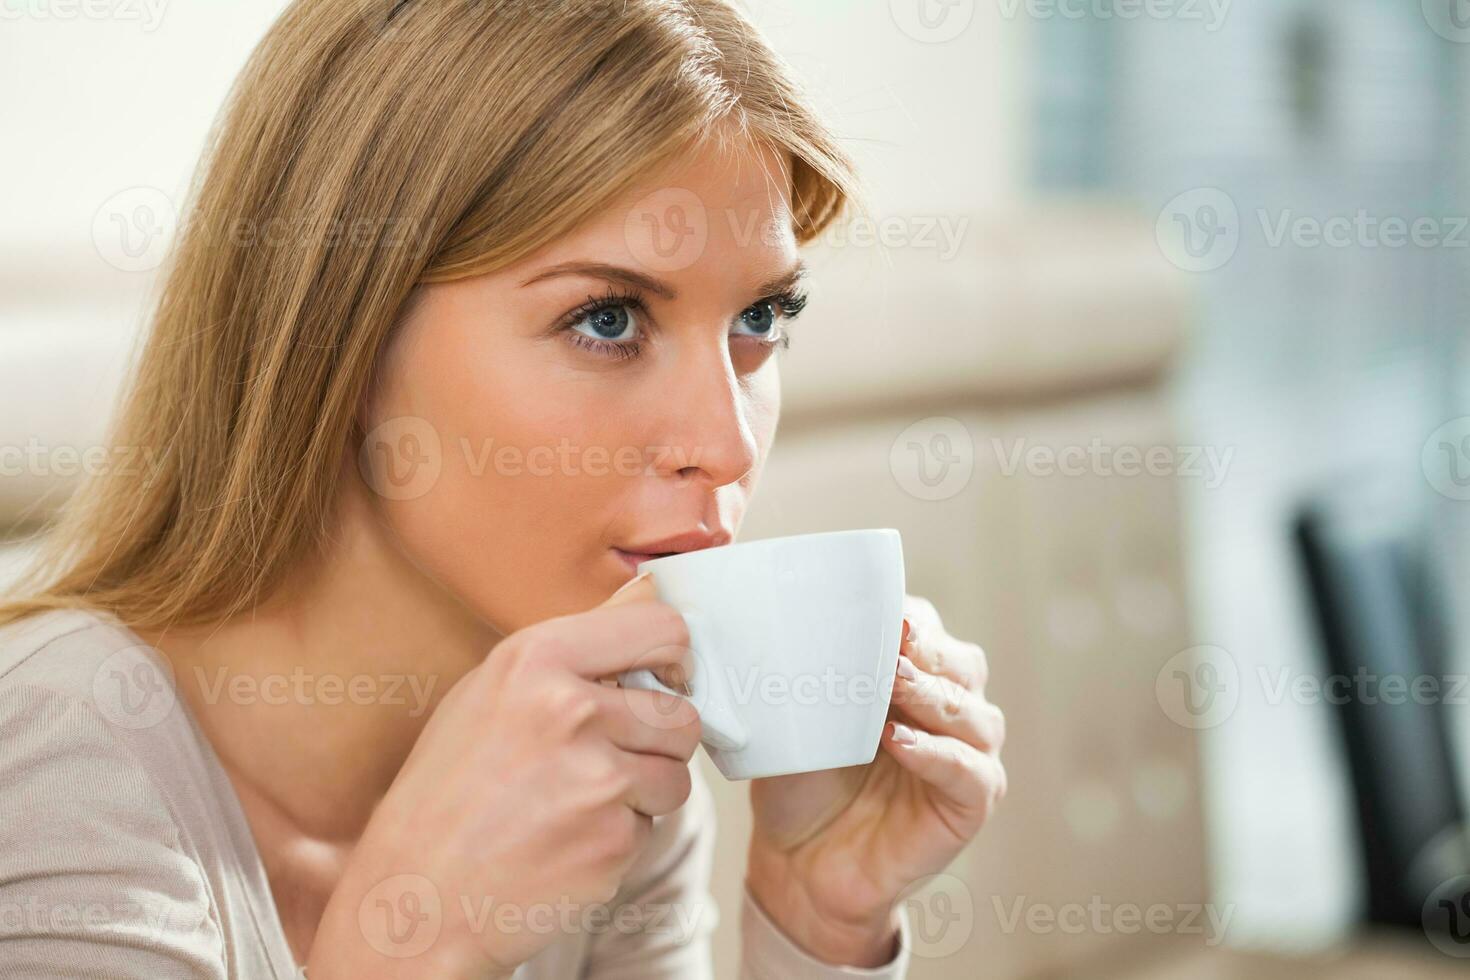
<point>648,721</point>
<point>921,614</point>
<point>610,639</point>
<point>945,707</point>
<point>656,785</point>
<point>936,652</point>
<point>675,675</point>
<point>971,778</point>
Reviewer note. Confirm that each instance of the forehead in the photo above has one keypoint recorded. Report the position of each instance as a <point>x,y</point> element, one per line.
<point>715,205</point>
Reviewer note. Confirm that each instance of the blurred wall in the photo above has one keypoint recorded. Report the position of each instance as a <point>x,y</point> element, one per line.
<point>1315,366</point>
<point>110,103</point>
<point>120,102</point>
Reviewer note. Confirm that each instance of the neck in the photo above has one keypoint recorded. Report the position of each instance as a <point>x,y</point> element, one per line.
<point>313,700</point>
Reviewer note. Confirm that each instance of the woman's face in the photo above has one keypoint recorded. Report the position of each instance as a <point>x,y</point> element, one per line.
<point>535,429</point>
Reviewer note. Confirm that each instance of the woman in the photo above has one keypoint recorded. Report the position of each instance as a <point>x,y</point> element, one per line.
<point>328,686</point>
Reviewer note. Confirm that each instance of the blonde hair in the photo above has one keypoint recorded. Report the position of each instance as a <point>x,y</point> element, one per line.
<point>368,147</point>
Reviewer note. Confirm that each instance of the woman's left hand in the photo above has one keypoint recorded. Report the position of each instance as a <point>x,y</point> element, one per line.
<point>832,852</point>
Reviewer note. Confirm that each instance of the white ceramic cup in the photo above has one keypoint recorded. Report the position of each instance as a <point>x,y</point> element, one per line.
<point>793,645</point>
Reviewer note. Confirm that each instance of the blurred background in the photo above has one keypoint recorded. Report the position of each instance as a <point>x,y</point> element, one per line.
<point>1153,348</point>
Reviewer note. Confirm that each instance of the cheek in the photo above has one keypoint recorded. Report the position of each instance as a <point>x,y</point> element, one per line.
<point>532,470</point>
<point>763,406</point>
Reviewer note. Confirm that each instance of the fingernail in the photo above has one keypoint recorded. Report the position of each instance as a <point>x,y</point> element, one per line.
<point>906,668</point>
<point>904,735</point>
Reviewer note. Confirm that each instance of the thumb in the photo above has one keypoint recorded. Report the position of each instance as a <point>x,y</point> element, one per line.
<point>637,589</point>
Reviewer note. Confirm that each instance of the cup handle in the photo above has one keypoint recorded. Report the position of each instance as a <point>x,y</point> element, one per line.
<point>722,727</point>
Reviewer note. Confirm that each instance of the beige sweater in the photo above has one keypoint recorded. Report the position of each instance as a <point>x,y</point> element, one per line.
<point>124,853</point>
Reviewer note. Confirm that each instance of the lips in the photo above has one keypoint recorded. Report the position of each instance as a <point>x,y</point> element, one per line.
<point>677,544</point>
<point>696,540</point>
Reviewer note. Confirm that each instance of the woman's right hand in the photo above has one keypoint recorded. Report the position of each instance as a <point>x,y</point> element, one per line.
<point>531,790</point>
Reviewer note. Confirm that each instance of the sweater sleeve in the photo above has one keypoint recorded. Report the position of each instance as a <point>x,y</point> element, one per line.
<point>768,954</point>
<point>668,916</point>
<point>93,881</point>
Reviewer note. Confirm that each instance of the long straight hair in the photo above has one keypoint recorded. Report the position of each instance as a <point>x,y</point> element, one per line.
<point>368,147</point>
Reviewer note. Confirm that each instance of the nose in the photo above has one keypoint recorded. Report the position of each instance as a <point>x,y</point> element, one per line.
<point>709,434</point>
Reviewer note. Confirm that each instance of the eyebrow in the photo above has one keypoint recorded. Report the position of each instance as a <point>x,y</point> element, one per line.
<point>661,289</point>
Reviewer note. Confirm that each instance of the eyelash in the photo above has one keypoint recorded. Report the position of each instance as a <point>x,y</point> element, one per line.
<point>790,304</point>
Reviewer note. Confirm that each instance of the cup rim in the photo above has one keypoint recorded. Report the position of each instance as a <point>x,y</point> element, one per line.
<point>694,555</point>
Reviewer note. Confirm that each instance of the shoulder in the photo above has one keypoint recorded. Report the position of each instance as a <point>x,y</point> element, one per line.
<point>54,649</point>
<point>91,718</point>
<point>81,696</point>
<point>93,857</point>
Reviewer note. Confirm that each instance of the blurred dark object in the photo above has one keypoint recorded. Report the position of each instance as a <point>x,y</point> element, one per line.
<point>1308,56</point>
<point>1378,605</point>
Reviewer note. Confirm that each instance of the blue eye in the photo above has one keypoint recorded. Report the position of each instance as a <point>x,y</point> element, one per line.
<point>607,319</point>
<point>601,324</point>
<point>761,317</point>
<point>608,322</point>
